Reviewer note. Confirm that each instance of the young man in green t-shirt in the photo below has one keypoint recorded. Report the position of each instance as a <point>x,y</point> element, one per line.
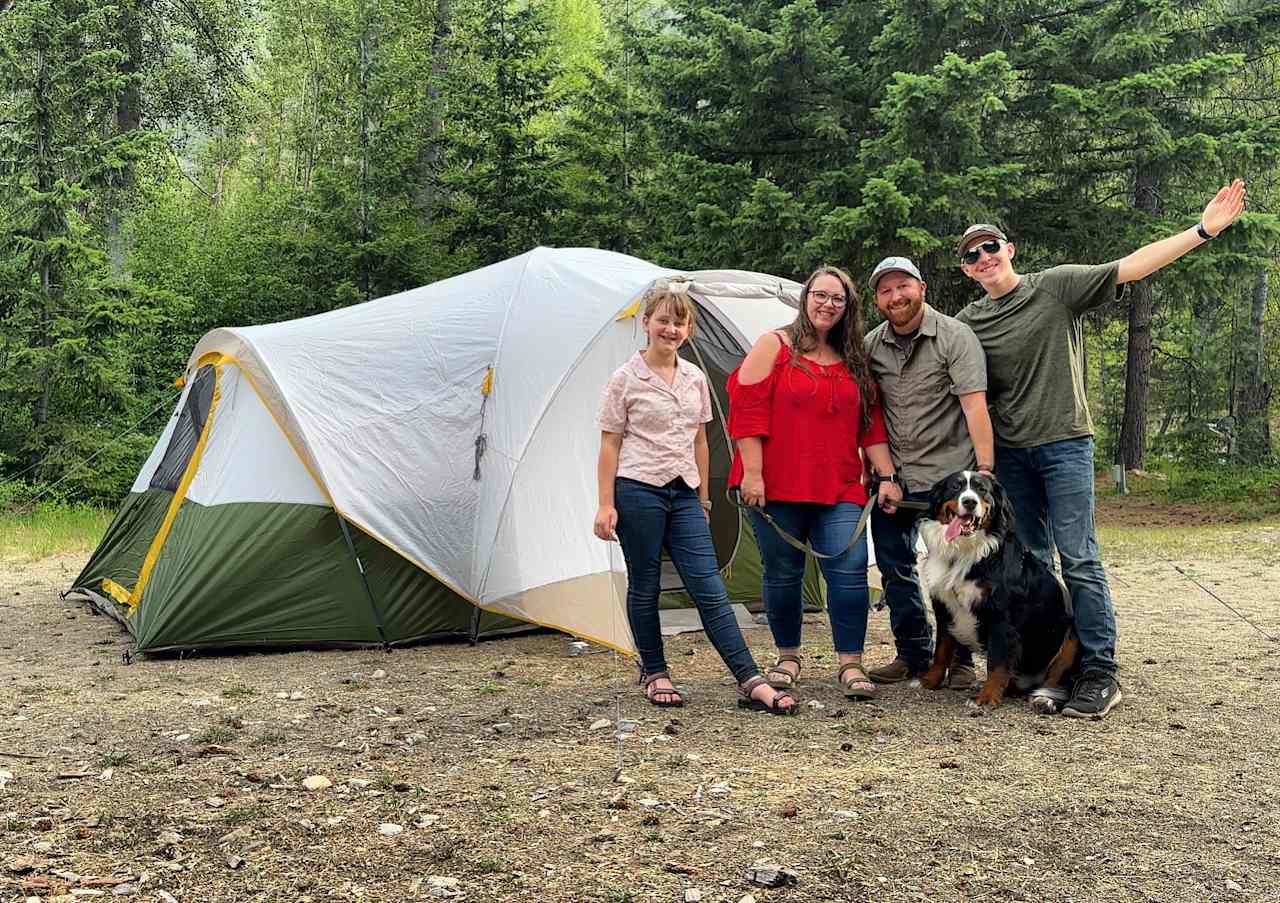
<point>1030,329</point>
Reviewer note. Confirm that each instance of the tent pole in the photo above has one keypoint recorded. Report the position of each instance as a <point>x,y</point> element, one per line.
<point>475,626</point>
<point>364,579</point>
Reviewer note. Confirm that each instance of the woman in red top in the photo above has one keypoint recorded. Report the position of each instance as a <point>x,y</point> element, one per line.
<point>803,408</point>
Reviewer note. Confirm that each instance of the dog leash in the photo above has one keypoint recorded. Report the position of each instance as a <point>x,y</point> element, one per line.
<point>735,498</point>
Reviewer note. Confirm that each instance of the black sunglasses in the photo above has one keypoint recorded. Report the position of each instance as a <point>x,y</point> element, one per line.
<point>970,257</point>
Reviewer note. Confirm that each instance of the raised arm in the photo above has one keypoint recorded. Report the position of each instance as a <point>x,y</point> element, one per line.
<point>1218,214</point>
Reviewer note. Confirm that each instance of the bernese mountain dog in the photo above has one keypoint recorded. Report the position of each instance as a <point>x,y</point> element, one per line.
<point>991,594</point>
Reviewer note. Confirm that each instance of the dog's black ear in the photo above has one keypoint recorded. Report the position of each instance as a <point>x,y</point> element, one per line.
<point>1003,521</point>
<point>937,496</point>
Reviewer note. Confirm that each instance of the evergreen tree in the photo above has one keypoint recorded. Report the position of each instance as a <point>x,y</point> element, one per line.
<point>502,180</point>
<point>60,80</point>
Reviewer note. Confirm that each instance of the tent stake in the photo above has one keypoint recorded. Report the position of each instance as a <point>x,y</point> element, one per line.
<point>373,606</point>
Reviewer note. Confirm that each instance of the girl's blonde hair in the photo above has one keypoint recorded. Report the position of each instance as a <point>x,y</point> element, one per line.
<point>682,306</point>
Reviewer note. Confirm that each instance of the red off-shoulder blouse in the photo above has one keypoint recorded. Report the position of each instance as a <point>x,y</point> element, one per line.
<point>808,418</point>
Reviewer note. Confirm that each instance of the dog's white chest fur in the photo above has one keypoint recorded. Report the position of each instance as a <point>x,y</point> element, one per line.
<point>945,571</point>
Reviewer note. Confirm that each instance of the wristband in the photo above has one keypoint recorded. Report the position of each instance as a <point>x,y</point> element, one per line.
<point>891,478</point>
<point>989,468</point>
<point>1202,232</point>
<point>706,504</point>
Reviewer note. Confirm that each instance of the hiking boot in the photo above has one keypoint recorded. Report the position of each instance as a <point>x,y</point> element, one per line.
<point>1095,694</point>
<point>962,677</point>
<point>893,673</point>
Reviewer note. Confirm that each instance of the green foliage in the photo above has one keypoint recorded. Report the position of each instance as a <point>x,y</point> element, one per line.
<point>1253,489</point>
<point>223,163</point>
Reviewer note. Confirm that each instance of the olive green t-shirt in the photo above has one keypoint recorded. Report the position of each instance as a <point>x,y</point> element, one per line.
<point>1034,343</point>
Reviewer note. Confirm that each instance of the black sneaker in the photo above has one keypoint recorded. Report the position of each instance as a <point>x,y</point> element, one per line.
<point>1095,694</point>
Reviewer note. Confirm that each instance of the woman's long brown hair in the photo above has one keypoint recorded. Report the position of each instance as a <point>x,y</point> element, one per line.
<point>845,337</point>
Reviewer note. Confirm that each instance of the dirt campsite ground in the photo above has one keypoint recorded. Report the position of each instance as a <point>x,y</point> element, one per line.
<point>489,773</point>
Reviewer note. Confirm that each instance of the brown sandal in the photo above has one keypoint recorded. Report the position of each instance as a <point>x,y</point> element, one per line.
<point>780,678</point>
<point>674,700</point>
<point>860,687</point>
<point>747,701</point>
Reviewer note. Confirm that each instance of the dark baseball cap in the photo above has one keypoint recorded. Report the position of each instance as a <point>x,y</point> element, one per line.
<point>979,230</point>
<point>893,265</point>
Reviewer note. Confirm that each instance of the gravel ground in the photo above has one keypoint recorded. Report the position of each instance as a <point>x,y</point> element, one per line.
<point>486,772</point>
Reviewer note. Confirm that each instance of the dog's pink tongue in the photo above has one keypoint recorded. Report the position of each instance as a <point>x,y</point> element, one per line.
<point>953,529</point>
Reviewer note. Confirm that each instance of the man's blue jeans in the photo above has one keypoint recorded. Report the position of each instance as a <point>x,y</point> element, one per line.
<point>895,542</point>
<point>827,528</point>
<point>1051,489</point>
<point>649,518</point>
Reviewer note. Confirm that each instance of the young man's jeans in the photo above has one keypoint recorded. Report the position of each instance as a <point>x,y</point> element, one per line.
<point>1051,489</point>
<point>895,542</point>
<point>649,518</point>
<point>828,529</point>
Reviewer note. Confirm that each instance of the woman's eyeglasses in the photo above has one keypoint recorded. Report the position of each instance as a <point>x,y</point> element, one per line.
<point>970,257</point>
<point>828,298</point>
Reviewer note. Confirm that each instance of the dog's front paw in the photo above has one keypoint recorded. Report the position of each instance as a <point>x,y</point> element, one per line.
<point>1043,705</point>
<point>1048,700</point>
<point>933,678</point>
<point>988,700</point>
<point>978,709</point>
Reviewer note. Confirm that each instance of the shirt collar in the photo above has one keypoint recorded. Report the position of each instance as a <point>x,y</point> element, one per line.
<point>928,326</point>
<point>641,369</point>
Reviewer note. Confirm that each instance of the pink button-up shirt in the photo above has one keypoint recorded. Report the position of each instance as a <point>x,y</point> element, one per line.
<point>658,422</point>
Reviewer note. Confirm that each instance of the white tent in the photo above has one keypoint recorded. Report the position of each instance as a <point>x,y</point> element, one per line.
<point>452,424</point>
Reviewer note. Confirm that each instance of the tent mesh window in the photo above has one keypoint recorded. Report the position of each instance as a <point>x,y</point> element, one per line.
<point>191,420</point>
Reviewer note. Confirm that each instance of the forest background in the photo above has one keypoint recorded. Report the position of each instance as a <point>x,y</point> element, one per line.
<point>170,166</point>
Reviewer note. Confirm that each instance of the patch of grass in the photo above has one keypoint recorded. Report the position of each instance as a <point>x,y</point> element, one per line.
<point>125,839</point>
<point>1238,493</point>
<point>238,692</point>
<point>489,867</point>
<point>1260,543</point>
<point>115,758</point>
<point>244,814</point>
<point>489,687</point>
<point>1254,491</point>
<point>271,738</point>
<point>50,530</point>
<point>153,766</point>
<point>215,733</point>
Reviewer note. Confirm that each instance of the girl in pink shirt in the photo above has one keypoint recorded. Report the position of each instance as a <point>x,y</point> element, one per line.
<point>652,475</point>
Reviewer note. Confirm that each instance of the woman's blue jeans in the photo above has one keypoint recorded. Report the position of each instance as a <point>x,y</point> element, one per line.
<point>649,519</point>
<point>827,528</point>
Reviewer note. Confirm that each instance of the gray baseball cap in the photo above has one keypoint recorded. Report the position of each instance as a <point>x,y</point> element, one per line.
<point>893,265</point>
<point>979,230</point>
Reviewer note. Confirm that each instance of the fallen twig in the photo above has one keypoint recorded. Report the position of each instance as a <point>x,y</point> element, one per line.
<point>17,755</point>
